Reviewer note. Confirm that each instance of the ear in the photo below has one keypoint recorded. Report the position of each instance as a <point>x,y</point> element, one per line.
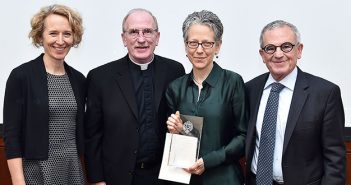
<point>218,46</point>
<point>262,54</point>
<point>299,50</point>
<point>124,39</point>
<point>157,38</point>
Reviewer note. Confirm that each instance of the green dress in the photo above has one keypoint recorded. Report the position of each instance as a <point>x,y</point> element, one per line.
<point>222,104</point>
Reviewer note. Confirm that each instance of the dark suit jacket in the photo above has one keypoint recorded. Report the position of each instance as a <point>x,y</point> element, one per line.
<point>313,149</point>
<point>26,110</point>
<point>112,118</point>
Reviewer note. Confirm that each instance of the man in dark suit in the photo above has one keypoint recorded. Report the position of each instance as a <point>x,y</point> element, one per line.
<point>126,110</point>
<point>308,145</point>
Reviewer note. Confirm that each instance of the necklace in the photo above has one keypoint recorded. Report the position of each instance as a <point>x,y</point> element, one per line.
<point>198,84</point>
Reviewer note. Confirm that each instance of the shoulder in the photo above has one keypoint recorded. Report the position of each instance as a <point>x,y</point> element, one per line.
<point>231,75</point>
<point>226,77</point>
<point>257,80</point>
<point>76,73</point>
<point>168,62</point>
<point>105,69</point>
<point>27,67</point>
<point>179,82</point>
<point>318,83</point>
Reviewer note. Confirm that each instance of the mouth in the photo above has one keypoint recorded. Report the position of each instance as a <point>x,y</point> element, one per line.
<point>279,61</point>
<point>59,48</point>
<point>141,47</point>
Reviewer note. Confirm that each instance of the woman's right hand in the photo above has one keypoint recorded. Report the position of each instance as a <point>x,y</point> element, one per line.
<point>100,183</point>
<point>16,171</point>
<point>174,123</point>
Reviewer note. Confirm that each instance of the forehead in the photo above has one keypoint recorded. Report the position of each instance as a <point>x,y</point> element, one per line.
<point>200,31</point>
<point>55,21</point>
<point>279,35</point>
<point>140,19</point>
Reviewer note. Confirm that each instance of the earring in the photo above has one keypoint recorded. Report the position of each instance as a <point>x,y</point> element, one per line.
<point>186,55</point>
<point>216,55</point>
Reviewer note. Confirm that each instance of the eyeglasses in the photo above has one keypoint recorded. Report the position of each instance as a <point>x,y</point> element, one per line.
<point>286,47</point>
<point>195,45</point>
<point>146,32</point>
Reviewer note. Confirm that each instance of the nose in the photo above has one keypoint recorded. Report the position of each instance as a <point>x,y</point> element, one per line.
<point>199,49</point>
<point>141,38</point>
<point>278,53</point>
<point>60,39</point>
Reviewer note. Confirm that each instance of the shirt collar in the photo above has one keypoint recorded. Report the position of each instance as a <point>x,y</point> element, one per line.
<point>142,66</point>
<point>288,81</point>
<point>211,79</point>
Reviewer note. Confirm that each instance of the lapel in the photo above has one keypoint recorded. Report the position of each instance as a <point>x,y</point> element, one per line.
<point>160,74</point>
<point>124,81</point>
<point>298,100</point>
<point>40,81</point>
<point>255,99</point>
<point>75,86</point>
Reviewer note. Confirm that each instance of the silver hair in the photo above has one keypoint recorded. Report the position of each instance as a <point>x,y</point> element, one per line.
<point>204,17</point>
<point>279,24</point>
<point>138,10</point>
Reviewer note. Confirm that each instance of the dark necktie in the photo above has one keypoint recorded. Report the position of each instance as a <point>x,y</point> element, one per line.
<point>264,173</point>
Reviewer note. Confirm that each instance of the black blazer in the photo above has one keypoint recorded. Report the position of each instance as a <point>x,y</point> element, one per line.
<point>313,149</point>
<point>111,126</point>
<point>26,110</point>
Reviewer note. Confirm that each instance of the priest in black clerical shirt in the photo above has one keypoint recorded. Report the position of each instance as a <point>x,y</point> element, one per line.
<point>126,110</point>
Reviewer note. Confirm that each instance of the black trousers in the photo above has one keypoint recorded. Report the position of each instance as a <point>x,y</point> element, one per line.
<point>251,180</point>
<point>147,176</point>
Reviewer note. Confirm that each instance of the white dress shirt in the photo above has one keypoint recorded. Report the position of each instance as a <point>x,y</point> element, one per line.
<point>285,97</point>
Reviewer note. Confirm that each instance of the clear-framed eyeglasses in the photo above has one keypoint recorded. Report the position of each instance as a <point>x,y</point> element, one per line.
<point>195,45</point>
<point>286,47</point>
<point>146,32</point>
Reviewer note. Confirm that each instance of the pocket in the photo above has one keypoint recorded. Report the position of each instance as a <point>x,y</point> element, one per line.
<point>315,182</point>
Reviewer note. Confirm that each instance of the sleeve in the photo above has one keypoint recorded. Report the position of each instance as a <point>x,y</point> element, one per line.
<point>93,130</point>
<point>13,115</point>
<point>333,140</point>
<point>234,150</point>
<point>170,99</point>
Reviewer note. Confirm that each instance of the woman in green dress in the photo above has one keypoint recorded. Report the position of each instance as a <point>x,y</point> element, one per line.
<point>217,95</point>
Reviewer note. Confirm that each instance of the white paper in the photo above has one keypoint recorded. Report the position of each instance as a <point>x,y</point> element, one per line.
<point>188,156</point>
<point>182,151</point>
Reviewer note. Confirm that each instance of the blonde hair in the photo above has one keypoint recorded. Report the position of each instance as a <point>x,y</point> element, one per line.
<point>38,23</point>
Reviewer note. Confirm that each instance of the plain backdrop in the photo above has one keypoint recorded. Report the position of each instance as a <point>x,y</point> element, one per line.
<point>325,28</point>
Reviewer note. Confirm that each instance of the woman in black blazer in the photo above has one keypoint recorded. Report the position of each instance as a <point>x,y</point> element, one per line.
<point>44,105</point>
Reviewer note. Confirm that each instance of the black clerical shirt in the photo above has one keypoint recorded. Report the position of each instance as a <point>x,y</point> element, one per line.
<point>149,144</point>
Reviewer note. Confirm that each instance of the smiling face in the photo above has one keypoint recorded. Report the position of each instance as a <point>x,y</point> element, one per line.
<point>140,48</point>
<point>200,58</point>
<point>57,38</point>
<point>280,64</point>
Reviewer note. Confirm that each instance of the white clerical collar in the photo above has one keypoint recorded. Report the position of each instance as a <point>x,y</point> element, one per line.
<point>143,66</point>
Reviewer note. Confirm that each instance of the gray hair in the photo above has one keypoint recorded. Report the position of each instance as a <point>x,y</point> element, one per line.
<point>204,17</point>
<point>279,24</point>
<point>138,10</point>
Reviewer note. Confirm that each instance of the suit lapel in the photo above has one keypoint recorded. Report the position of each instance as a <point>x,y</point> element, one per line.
<point>298,100</point>
<point>255,100</point>
<point>159,81</point>
<point>40,79</point>
<point>124,81</point>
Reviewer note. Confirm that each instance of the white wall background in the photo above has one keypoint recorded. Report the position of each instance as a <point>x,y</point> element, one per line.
<point>324,25</point>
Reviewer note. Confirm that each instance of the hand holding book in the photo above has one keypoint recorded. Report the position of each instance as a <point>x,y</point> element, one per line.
<point>175,123</point>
